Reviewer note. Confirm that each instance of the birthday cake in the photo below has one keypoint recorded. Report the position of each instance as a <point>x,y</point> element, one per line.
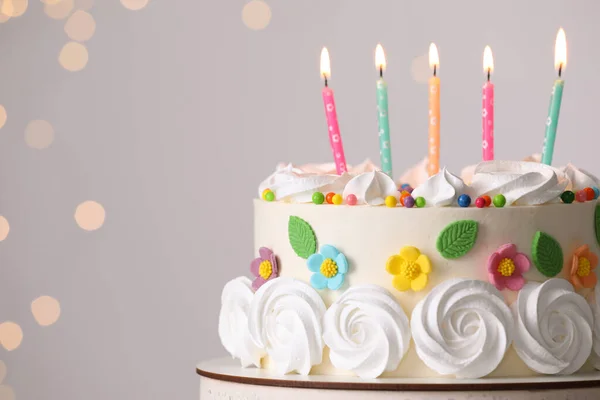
<point>357,274</point>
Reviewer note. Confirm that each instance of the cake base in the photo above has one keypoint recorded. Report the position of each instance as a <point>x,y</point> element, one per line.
<point>224,379</point>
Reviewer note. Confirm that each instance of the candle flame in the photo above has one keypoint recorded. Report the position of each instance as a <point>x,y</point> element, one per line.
<point>325,64</point>
<point>488,60</point>
<point>434,58</point>
<point>560,50</point>
<point>380,61</point>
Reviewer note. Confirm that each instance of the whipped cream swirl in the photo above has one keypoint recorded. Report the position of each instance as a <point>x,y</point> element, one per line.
<point>442,189</point>
<point>580,178</point>
<point>553,332</point>
<point>233,322</point>
<point>596,342</point>
<point>462,327</point>
<point>522,183</point>
<point>366,331</point>
<point>285,319</point>
<point>298,183</point>
<point>371,188</point>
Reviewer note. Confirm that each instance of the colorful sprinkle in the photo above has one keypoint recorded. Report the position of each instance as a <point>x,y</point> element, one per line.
<point>404,186</point>
<point>337,199</point>
<point>596,192</point>
<point>480,202</point>
<point>318,198</point>
<point>464,200</point>
<point>329,197</point>
<point>420,202</point>
<point>488,200</point>
<point>589,193</point>
<point>269,196</point>
<point>409,202</point>
<point>567,197</point>
<point>403,195</point>
<point>391,201</point>
<point>581,196</point>
<point>264,192</point>
<point>351,200</point>
<point>499,200</point>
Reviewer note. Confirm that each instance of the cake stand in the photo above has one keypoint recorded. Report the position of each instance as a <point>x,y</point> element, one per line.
<point>224,379</point>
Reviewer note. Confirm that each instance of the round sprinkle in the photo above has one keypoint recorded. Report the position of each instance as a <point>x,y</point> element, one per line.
<point>581,196</point>
<point>391,201</point>
<point>488,200</point>
<point>409,202</point>
<point>589,193</point>
<point>269,196</point>
<point>464,200</point>
<point>337,199</point>
<point>404,186</point>
<point>329,197</point>
<point>267,190</point>
<point>318,198</point>
<point>351,200</point>
<point>567,197</point>
<point>420,202</point>
<point>499,200</point>
<point>403,196</point>
<point>596,192</point>
<point>480,202</point>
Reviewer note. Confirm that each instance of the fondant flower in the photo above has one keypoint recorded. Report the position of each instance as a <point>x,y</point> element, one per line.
<point>410,269</point>
<point>582,268</point>
<point>264,268</point>
<point>506,267</point>
<point>329,267</point>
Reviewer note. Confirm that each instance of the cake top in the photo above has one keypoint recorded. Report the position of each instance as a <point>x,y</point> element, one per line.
<point>508,183</point>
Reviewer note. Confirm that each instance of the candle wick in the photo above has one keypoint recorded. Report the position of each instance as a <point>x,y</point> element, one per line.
<point>325,77</point>
<point>488,76</point>
<point>434,69</point>
<point>560,70</point>
<point>381,71</point>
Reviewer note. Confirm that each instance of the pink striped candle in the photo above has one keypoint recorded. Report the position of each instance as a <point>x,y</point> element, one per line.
<point>333,127</point>
<point>488,107</point>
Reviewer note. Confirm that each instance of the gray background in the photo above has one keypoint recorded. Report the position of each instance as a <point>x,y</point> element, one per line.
<point>179,114</point>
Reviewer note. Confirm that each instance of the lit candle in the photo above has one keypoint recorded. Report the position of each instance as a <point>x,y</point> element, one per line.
<point>385,152</point>
<point>560,62</point>
<point>434,113</point>
<point>488,107</point>
<point>335,139</point>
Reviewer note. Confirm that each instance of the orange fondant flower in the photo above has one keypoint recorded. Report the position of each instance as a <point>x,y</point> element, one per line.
<point>582,268</point>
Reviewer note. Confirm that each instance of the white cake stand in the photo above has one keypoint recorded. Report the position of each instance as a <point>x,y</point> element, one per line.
<point>224,379</point>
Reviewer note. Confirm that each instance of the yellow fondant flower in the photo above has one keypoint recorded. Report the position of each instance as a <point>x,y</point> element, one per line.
<point>410,269</point>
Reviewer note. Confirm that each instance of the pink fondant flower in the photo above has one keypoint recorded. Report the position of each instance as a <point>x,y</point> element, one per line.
<point>506,267</point>
<point>583,268</point>
<point>264,268</point>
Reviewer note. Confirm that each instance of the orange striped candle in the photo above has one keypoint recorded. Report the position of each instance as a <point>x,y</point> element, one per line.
<point>434,113</point>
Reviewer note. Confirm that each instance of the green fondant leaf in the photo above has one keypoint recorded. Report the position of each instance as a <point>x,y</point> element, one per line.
<point>597,223</point>
<point>547,254</point>
<point>302,237</point>
<point>457,238</point>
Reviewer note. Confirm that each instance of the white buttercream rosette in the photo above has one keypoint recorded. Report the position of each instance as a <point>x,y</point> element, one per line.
<point>462,327</point>
<point>554,324</point>
<point>233,322</point>
<point>285,319</point>
<point>366,331</point>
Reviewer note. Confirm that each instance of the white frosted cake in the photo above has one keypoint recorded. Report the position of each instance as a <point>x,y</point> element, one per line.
<point>490,276</point>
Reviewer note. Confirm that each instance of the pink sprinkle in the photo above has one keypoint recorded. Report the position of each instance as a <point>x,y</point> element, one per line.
<point>351,200</point>
<point>480,202</point>
<point>581,196</point>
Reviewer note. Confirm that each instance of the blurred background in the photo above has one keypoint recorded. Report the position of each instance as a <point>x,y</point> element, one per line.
<point>134,134</point>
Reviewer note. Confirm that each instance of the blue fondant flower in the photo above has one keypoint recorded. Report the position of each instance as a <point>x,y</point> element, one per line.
<point>329,267</point>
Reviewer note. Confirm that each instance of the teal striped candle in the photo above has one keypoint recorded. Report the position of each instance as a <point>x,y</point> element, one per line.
<point>552,121</point>
<point>385,151</point>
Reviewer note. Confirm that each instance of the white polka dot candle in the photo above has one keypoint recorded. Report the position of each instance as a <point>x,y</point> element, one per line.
<point>487,112</point>
<point>433,165</point>
<point>335,138</point>
<point>385,152</point>
<point>560,62</point>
